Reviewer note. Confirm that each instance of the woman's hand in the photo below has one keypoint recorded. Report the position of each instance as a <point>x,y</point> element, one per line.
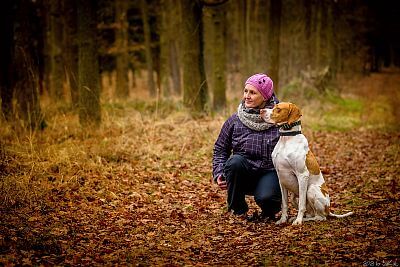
<point>221,182</point>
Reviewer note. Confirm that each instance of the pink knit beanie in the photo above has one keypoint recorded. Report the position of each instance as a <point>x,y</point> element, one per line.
<point>263,83</point>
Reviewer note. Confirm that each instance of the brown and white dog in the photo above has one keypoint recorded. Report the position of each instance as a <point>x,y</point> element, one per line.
<point>297,168</point>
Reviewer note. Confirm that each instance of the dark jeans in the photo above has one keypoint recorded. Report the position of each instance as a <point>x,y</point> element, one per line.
<point>242,181</point>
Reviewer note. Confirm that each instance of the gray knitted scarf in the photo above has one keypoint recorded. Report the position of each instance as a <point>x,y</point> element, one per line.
<point>251,118</point>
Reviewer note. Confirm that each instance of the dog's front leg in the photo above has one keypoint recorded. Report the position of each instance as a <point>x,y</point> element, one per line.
<point>284,215</point>
<point>303,184</point>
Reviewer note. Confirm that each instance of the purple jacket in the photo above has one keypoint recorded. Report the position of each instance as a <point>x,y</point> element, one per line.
<point>236,138</point>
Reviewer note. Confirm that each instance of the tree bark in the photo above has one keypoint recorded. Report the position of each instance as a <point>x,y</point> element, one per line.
<point>194,81</point>
<point>248,43</point>
<point>170,76</point>
<point>6,52</point>
<point>241,17</point>
<point>89,80</point>
<point>219,57</point>
<point>121,10</point>
<point>175,46</point>
<point>233,45</point>
<point>55,45</point>
<point>174,63</point>
<point>165,33</point>
<point>149,57</point>
<point>318,35</point>
<point>25,67</point>
<point>71,49</point>
<point>274,41</point>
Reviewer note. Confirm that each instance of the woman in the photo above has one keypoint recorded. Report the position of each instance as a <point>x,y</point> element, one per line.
<point>242,161</point>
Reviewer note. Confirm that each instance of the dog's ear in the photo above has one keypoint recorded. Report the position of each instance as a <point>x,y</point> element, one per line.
<point>294,113</point>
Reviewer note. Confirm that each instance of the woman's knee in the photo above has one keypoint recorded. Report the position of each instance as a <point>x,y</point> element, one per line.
<point>270,203</point>
<point>267,197</point>
<point>268,188</point>
<point>235,163</point>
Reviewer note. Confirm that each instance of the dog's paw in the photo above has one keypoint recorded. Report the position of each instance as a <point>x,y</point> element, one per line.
<point>298,221</point>
<point>281,221</point>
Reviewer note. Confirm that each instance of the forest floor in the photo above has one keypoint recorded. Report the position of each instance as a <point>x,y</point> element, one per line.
<point>138,192</point>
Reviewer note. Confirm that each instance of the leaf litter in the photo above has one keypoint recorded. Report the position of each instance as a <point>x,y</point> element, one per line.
<point>144,196</point>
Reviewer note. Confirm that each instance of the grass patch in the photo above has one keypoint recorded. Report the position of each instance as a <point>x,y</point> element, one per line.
<point>332,111</point>
<point>342,114</point>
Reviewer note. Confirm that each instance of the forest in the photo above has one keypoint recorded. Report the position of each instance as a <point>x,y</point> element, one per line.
<point>110,111</point>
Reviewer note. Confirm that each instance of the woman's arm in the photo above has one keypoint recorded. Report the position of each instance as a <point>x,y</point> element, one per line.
<point>222,148</point>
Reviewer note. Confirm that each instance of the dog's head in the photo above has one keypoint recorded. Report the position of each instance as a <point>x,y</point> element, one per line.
<point>281,113</point>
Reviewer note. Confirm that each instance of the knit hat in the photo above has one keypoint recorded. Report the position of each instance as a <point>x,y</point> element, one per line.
<point>263,83</point>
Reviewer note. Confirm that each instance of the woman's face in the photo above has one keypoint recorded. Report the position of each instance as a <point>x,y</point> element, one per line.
<point>252,97</point>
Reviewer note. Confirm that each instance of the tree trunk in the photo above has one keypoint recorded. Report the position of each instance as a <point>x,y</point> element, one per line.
<point>89,80</point>
<point>219,57</point>
<point>274,41</point>
<point>293,41</point>
<point>175,46</point>
<point>25,67</point>
<point>333,43</point>
<point>241,17</point>
<point>248,43</point>
<point>318,35</point>
<point>6,52</point>
<point>121,38</point>
<point>165,33</point>
<point>194,81</point>
<point>149,57</point>
<point>55,45</point>
<point>233,45</point>
<point>71,49</point>
<point>170,76</point>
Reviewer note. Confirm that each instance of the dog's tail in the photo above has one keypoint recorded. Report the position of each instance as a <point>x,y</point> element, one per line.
<point>340,216</point>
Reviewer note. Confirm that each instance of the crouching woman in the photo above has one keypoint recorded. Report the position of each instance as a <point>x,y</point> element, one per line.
<point>242,162</point>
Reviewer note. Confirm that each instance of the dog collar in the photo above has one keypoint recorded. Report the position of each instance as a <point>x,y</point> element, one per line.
<point>289,133</point>
<point>287,126</point>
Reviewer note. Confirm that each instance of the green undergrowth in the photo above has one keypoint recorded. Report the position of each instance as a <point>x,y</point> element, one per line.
<point>332,111</point>
<point>337,113</point>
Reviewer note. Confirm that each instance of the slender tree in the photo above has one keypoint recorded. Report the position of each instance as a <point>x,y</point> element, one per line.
<point>233,44</point>
<point>147,40</point>
<point>122,56</point>
<point>56,50</point>
<point>194,80</point>
<point>6,52</point>
<point>241,16</point>
<point>169,42</point>
<point>89,80</point>
<point>70,49</point>
<point>274,40</point>
<point>294,40</point>
<point>174,46</point>
<point>164,48</point>
<point>25,66</point>
<point>318,34</point>
<point>219,56</point>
